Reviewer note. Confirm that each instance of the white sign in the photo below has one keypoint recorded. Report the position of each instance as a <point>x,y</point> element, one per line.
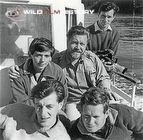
<point>23,42</point>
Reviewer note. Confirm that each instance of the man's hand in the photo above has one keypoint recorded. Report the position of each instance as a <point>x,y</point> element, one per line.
<point>9,127</point>
<point>108,66</point>
<point>14,72</point>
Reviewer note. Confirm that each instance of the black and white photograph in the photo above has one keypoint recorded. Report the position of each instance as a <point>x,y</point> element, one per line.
<point>71,70</point>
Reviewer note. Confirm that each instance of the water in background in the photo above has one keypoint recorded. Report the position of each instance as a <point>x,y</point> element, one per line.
<point>130,51</point>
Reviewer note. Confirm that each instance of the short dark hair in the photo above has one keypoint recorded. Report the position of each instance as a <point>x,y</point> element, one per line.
<point>40,45</point>
<point>45,88</point>
<point>77,30</point>
<point>107,6</point>
<point>95,96</point>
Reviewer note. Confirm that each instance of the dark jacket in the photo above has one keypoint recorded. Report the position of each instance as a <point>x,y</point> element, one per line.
<point>21,87</point>
<point>128,125</point>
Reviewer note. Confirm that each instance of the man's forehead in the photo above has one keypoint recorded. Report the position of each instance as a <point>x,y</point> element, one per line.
<point>93,109</point>
<point>51,98</point>
<point>83,37</point>
<point>111,12</point>
<point>44,52</point>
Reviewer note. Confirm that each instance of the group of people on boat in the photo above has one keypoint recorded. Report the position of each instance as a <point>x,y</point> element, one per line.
<point>67,95</point>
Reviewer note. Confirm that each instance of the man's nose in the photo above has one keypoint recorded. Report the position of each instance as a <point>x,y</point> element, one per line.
<point>44,111</point>
<point>42,58</point>
<point>91,120</point>
<point>78,45</point>
<point>106,19</point>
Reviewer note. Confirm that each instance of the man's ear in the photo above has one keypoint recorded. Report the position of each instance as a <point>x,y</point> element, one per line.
<point>107,113</point>
<point>61,105</point>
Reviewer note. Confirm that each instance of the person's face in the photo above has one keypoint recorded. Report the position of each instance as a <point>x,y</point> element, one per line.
<point>77,45</point>
<point>41,60</point>
<point>47,109</point>
<point>93,117</point>
<point>105,18</point>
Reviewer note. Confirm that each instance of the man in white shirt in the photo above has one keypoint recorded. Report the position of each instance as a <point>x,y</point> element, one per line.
<point>20,121</point>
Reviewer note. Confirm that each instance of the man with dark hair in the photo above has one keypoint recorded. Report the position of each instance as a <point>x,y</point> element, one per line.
<point>37,68</point>
<point>102,35</point>
<point>83,69</point>
<point>101,121</point>
<point>22,122</point>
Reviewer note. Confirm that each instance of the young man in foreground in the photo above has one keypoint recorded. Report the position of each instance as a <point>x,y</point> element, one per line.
<point>41,122</point>
<point>101,121</point>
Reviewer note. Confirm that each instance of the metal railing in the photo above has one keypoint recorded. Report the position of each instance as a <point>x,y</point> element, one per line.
<point>121,93</point>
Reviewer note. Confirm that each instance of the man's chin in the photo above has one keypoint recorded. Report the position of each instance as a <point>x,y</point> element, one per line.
<point>104,26</point>
<point>43,122</point>
<point>44,128</point>
<point>45,125</point>
<point>92,129</point>
<point>40,68</point>
<point>75,55</point>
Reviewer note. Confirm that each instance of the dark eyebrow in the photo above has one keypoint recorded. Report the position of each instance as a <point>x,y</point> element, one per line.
<point>50,105</point>
<point>38,104</point>
<point>86,115</point>
<point>74,39</point>
<point>95,116</point>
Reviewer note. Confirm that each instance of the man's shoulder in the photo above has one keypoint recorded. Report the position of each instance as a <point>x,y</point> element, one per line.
<point>73,131</point>
<point>124,111</point>
<point>120,107</point>
<point>60,58</point>
<point>91,61</point>
<point>114,29</point>
<point>26,68</point>
<point>65,121</point>
<point>60,132</point>
<point>55,66</point>
<point>90,55</point>
<point>90,28</point>
<point>58,55</point>
<point>53,70</point>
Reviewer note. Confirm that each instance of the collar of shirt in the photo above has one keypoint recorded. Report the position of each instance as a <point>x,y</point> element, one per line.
<point>111,121</point>
<point>29,69</point>
<point>66,59</point>
<point>97,28</point>
<point>48,132</point>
